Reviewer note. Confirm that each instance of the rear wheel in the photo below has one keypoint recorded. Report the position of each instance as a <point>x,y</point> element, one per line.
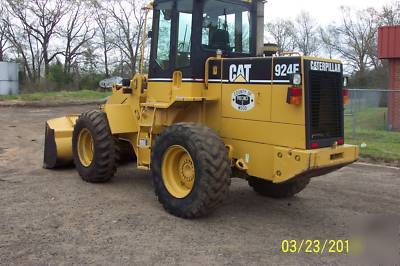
<point>191,170</point>
<point>178,172</point>
<point>285,190</point>
<point>94,149</point>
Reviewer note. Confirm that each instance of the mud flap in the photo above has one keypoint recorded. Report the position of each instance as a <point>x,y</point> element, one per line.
<point>58,142</point>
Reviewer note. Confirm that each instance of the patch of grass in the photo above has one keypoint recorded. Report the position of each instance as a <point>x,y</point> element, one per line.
<point>61,95</point>
<point>371,118</point>
<point>382,145</point>
<point>370,128</point>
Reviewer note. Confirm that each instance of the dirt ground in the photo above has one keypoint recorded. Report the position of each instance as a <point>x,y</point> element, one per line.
<point>53,217</point>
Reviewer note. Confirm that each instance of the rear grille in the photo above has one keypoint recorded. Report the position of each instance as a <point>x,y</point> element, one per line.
<point>325,105</point>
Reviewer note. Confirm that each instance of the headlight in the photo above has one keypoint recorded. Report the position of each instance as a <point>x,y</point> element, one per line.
<point>345,82</point>
<point>296,79</point>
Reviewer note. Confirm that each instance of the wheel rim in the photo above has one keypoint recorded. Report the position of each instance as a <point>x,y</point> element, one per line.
<point>178,171</point>
<point>85,147</point>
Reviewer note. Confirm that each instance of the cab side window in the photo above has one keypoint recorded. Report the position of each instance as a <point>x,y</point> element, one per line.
<point>226,27</point>
<point>184,9</point>
<point>164,36</point>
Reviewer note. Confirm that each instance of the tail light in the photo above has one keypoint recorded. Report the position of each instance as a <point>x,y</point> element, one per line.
<point>346,96</point>
<point>294,95</point>
<point>314,145</point>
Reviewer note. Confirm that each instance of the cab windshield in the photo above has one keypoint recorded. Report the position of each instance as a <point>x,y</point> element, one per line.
<point>226,26</point>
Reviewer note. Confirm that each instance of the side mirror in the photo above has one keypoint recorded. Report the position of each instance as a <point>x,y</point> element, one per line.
<point>150,34</point>
<point>126,82</point>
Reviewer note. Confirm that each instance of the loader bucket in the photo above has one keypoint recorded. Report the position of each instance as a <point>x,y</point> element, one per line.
<point>58,142</point>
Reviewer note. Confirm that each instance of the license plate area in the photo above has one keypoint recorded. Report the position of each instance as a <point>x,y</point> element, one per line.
<point>337,156</point>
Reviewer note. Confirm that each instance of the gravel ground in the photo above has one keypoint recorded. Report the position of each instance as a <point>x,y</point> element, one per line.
<point>53,217</point>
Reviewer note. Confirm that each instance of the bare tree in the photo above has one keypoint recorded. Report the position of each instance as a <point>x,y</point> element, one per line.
<point>24,45</point>
<point>4,42</point>
<point>282,32</point>
<point>328,39</point>
<point>390,14</point>
<point>306,34</point>
<point>128,19</point>
<point>104,35</point>
<point>76,33</point>
<point>355,38</point>
<point>40,19</point>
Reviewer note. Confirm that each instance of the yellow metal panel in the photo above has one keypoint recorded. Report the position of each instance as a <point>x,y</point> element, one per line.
<point>213,108</point>
<point>334,156</point>
<point>63,126</point>
<point>121,118</point>
<point>289,163</point>
<point>283,112</point>
<point>277,134</point>
<point>280,164</point>
<point>159,91</point>
<point>258,157</point>
<point>166,92</point>
<point>262,107</point>
<point>118,97</point>
<point>188,90</point>
<point>64,148</point>
<point>63,130</point>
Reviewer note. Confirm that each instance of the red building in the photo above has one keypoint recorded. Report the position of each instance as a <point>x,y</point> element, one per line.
<point>389,48</point>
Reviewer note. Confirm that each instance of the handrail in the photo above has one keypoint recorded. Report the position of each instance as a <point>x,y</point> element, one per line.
<point>290,53</point>
<point>206,69</point>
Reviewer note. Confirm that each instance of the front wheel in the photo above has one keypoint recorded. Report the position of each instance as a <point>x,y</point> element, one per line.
<point>191,170</point>
<point>94,148</point>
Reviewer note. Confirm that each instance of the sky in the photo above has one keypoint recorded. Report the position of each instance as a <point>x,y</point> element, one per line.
<point>324,11</point>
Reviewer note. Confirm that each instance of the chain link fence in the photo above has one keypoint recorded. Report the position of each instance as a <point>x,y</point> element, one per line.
<point>372,120</point>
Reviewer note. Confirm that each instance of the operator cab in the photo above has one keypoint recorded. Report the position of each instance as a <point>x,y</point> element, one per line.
<point>187,32</point>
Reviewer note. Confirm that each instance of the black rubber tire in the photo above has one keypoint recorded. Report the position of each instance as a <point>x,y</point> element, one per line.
<point>125,152</point>
<point>103,166</point>
<point>278,191</point>
<point>212,168</point>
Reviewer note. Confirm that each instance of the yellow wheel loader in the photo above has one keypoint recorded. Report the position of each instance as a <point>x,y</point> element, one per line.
<point>215,105</point>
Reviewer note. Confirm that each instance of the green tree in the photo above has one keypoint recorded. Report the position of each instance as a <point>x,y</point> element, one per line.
<point>58,77</point>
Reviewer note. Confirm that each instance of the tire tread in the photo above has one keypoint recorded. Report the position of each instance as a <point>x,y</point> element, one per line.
<point>285,190</point>
<point>103,167</point>
<point>215,173</point>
